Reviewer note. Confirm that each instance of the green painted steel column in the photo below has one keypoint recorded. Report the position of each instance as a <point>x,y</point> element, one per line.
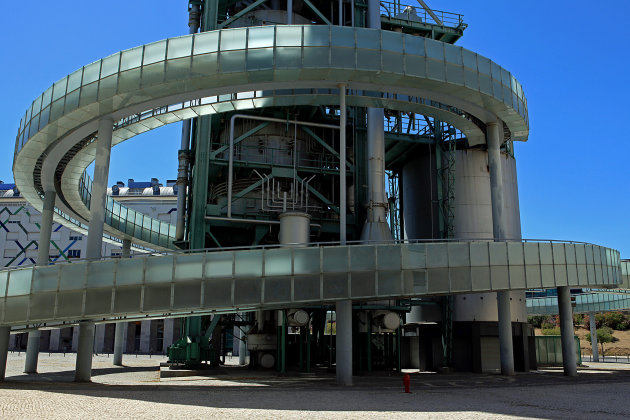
<point>197,226</point>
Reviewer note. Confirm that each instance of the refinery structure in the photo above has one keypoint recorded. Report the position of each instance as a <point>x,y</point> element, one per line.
<point>339,161</point>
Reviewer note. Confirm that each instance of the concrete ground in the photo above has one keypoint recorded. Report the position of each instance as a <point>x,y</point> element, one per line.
<point>136,391</point>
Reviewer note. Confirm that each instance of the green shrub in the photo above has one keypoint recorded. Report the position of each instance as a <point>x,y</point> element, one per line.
<point>604,336</point>
<point>536,320</point>
<point>578,319</point>
<point>551,331</point>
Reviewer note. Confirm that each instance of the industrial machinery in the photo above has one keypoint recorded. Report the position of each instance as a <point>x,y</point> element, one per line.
<point>272,176</point>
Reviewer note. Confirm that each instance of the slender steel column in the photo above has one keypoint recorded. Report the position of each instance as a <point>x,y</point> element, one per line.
<point>569,357</point>
<point>99,189</point>
<point>182,169</point>
<point>83,370</point>
<point>5,335</point>
<point>498,228</point>
<point>344,342</point>
<point>591,316</point>
<point>32,351</point>
<point>43,249</point>
<point>343,199</point>
<point>119,341</point>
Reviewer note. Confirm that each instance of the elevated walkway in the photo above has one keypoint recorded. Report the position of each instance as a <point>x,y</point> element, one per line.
<point>180,284</point>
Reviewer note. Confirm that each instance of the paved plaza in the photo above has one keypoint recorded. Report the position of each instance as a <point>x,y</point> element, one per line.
<point>137,392</point>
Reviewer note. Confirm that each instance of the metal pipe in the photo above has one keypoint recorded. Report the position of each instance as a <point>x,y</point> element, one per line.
<point>342,164</point>
<point>430,12</point>
<point>569,358</point>
<point>182,169</point>
<point>593,328</point>
<point>231,151</point>
<point>340,12</point>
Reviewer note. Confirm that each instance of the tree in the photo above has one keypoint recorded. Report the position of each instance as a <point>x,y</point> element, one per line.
<point>604,336</point>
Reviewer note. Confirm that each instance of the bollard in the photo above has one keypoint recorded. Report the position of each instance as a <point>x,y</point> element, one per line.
<point>406,381</point>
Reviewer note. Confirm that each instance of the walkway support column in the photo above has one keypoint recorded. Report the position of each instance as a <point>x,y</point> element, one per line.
<point>5,335</point>
<point>569,358</point>
<point>83,370</point>
<point>499,233</point>
<point>85,346</point>
<point>99,189</point>
<point>43,250</point>
<point>343,311</point>
<point>593,326</point>
<point>119,334</point>
<point>343,199</point>
<point>32,351</point>
<point>119,342</point>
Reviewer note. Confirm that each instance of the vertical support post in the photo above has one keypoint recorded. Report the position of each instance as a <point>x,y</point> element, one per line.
<point>343,311</point>
<point>34,336</point>
<point>498,228</point>
<point>289,12</point>
<point>342,165</point>
<point>32,351</point>
<point>126,248</point>
<point>119,341</point>
<point>83,370</point>
<point>242,348</point>
<point>593,327</point>
<point>283,343</point>
<point>182,169</point>
<point>46,228</point>
<point>5,335</point>
<point>569,358</point>
<point>99,188</point>
<point>369,342</point>
<point>308,347</point>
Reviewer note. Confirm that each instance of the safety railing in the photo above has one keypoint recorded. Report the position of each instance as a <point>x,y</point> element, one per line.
<point>417,13</point>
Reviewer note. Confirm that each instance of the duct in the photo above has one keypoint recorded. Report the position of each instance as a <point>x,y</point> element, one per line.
<point>231,151</point>
<point>376,227</point>
<point>182,167</point>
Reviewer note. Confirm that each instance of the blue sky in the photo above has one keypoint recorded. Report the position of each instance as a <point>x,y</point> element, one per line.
<point>571,57</point>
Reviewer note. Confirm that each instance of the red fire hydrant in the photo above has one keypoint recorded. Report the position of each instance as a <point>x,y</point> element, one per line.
<point>406,381</point>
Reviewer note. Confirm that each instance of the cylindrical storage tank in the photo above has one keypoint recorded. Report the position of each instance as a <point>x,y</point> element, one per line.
<point>473,220</point>
<point>295,228</point>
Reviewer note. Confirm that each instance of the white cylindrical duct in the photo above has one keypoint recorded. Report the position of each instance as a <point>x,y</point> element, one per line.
<point>295,228</point>
<point>473,220</point>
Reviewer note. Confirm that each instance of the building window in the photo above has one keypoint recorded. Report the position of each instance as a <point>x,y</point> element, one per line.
<point>74,253</point>
<point>76,238</point>
<point>116,254</point>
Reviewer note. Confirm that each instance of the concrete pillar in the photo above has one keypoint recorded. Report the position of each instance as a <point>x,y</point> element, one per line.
<point>43,250</point>
<point>591,315</point>
<point>5,335</point>
<point>32,351</point>
<point>145,337</point>
<point>119,342</point>
<point>499,230</point>
<point>126,248</point>
<point>242,347</point>
<point>569,358</point>
<point>83,370</point>
<point>45,230</point>
<point>344,342</point>
<point>99,189</point>
<point>55,337</point>
<point>235,341</point>
<point>169,334</point>
<point>99,338</point>
<point>75,338</point>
